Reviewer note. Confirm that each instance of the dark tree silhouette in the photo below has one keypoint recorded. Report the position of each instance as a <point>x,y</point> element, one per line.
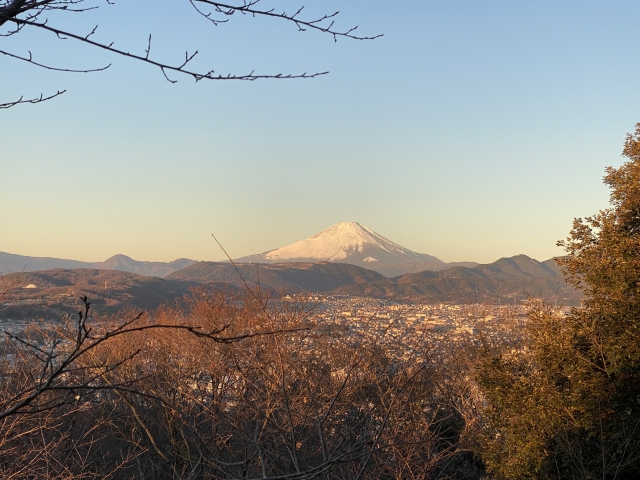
<point>16,15</point>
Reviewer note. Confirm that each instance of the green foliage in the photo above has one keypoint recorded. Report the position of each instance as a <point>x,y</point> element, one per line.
<point>565,401</point>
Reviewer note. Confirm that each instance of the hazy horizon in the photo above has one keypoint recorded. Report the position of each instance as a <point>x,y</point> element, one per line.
<point>240,258</point>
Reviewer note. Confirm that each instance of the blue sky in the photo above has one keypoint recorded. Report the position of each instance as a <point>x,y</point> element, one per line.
<point>470,131</point>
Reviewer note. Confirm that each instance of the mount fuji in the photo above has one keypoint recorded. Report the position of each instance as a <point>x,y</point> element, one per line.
<point>353,243</point>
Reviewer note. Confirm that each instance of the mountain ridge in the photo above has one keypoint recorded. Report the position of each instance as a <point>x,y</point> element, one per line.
<point>10,262</point>
<point>510,279</point>
<point>52,294</point>
<point>290,276</point>
<point>507,278</point>
<point>355,244</point>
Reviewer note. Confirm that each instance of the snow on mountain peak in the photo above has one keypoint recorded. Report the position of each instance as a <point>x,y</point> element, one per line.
<point>337,243</point>
<point>350,242</point>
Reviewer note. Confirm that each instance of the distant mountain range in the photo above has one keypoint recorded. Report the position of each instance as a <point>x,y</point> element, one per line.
<point>505,280</point>
<point>53,293</point>
<point>17,263</point>
<point>347,242</point>
<point>347,258</point>
<point>355,244</point>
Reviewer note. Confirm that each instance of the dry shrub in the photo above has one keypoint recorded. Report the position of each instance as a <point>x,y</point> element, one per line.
<point>241,386</point>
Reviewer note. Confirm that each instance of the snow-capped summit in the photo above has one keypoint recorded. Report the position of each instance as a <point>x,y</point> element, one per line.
<point>339,242</point>
<point>351,242</point>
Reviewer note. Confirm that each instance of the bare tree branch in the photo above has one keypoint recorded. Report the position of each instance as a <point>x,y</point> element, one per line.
<point>324,24</point>
<point>23,100</point>
<point>180,68</point>
<point>29,59</point>
<point>29,13</point>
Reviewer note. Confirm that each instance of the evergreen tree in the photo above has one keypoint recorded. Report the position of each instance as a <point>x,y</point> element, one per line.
<point>566,402</point>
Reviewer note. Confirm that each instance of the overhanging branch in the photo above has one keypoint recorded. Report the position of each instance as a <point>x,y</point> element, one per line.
<point>39,99</point>
<point>322,24</point>
<point>164,67</point>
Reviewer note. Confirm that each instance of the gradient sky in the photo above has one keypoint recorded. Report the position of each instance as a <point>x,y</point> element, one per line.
<point>470,131</point>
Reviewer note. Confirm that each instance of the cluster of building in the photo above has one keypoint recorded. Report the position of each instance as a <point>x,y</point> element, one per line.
<point>399,327</point>
<point>402,326</point>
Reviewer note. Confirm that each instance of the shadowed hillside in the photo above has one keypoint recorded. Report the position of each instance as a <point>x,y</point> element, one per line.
<point>294,277</point>
<point>470,290</point>
<point>54,293</point>
<point>504,281</point>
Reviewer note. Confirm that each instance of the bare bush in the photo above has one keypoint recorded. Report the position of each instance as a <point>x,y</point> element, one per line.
<point>228,386</point>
